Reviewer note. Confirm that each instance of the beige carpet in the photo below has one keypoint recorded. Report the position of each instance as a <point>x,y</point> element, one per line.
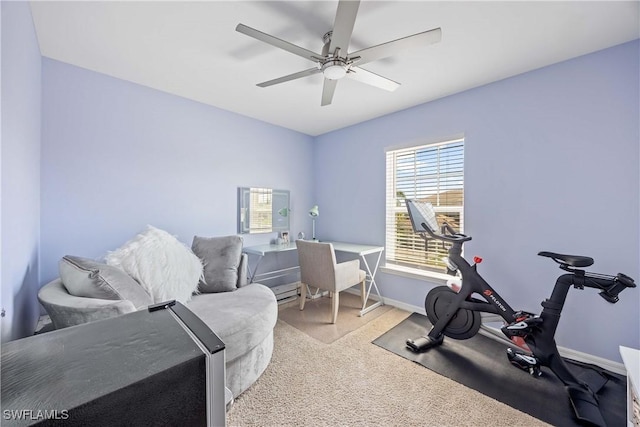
<point>353,382</point>
<point>314,319</point>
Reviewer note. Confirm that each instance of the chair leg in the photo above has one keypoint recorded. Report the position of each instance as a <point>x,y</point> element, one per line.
<point>363,292</point>
<point>303,295</point>
<point>334,306</point>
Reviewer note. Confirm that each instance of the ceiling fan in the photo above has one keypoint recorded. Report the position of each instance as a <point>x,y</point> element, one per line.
<point>334,62</point>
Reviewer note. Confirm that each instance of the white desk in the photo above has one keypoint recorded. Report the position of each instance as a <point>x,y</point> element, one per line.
<point>361,251</point>
<point>261,251</point>
<point>283,292</point>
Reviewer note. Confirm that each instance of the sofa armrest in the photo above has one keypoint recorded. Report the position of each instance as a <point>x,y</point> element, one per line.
<point>243,275</point>
<point>68,310</point>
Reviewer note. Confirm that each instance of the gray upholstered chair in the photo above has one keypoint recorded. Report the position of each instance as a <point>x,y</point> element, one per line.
<point>319,269</point>
<point>243,315</point>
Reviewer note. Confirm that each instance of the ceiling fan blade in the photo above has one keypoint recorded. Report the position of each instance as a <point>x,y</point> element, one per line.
<point>343,25</point>
<point>305,73</point>
<point>274,41</point>
<point>327,91</point>
<point>390,48</point>
<point>373,79</point>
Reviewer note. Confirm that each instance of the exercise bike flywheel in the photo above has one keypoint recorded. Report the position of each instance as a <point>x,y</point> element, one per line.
<point>463,325</point>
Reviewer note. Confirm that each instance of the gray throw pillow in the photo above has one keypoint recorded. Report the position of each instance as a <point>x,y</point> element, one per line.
<point>84,277</point>
<point>221,259</point>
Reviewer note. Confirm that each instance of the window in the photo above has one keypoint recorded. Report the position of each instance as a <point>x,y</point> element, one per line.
<point>260,210</point>
<point>433,173</point>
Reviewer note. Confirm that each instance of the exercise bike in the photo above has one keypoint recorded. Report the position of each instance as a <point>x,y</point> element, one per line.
<point>454,310</point>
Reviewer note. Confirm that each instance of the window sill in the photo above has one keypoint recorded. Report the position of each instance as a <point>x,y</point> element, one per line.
<point>414,273</point>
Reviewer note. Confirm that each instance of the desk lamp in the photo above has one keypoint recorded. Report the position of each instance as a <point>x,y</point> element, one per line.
<point>314,213</point>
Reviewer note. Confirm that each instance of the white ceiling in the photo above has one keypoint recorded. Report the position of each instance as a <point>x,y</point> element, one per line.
<point>191,49</point>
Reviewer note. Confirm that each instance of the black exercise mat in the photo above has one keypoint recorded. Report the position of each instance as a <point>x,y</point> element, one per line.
<point>481,363</point>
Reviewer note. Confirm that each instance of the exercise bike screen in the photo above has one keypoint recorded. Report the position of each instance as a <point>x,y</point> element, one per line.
<point>422,212</point>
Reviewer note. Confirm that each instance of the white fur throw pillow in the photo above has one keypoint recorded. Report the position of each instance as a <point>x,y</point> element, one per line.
<point>164,267</point>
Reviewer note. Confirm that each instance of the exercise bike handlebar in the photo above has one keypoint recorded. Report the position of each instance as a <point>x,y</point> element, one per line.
<point>448,235</point>
<point>611,285</point>
<point>423,220</point>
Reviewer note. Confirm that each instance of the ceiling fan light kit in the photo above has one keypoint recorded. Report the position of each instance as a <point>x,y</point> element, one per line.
<point>334,69</point>
<point>331,64</point>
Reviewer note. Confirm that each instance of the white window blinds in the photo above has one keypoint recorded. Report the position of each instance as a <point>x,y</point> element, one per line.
<point>433,173</point>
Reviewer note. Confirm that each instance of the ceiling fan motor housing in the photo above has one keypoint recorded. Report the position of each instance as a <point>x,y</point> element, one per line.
<point>333,66</point>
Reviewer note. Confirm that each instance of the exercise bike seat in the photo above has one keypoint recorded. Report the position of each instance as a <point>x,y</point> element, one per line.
<point>572,260</point>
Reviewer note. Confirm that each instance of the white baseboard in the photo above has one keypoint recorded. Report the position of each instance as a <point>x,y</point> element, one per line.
<point>610,365</point>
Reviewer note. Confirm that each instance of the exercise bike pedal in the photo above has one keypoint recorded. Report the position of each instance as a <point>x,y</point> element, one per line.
<point>423,343</point>
<point>524,361</point>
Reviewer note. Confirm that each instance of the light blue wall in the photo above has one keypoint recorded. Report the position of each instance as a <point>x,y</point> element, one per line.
<point>20,176</point>
<point>551,163</point>
<point>117,156</point>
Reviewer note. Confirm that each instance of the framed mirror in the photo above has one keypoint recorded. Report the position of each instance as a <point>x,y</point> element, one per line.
<point>262,210</point>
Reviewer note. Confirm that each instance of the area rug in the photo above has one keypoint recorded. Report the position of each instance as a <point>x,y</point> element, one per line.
<point>315,319</point>
<point>352,382</point>
<point>481,364</point>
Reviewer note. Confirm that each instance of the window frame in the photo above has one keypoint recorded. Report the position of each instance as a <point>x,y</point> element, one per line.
<point>396,265</point>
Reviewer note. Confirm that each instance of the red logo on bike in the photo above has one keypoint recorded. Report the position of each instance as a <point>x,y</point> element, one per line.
<point>487,292</point>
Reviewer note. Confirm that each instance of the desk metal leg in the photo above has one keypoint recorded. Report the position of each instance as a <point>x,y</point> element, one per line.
<point>318,294</point>
<point>255,269</point>
<point>372,283</point>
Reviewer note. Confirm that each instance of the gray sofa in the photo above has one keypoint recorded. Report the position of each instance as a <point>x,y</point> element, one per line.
<point>243,318</point>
